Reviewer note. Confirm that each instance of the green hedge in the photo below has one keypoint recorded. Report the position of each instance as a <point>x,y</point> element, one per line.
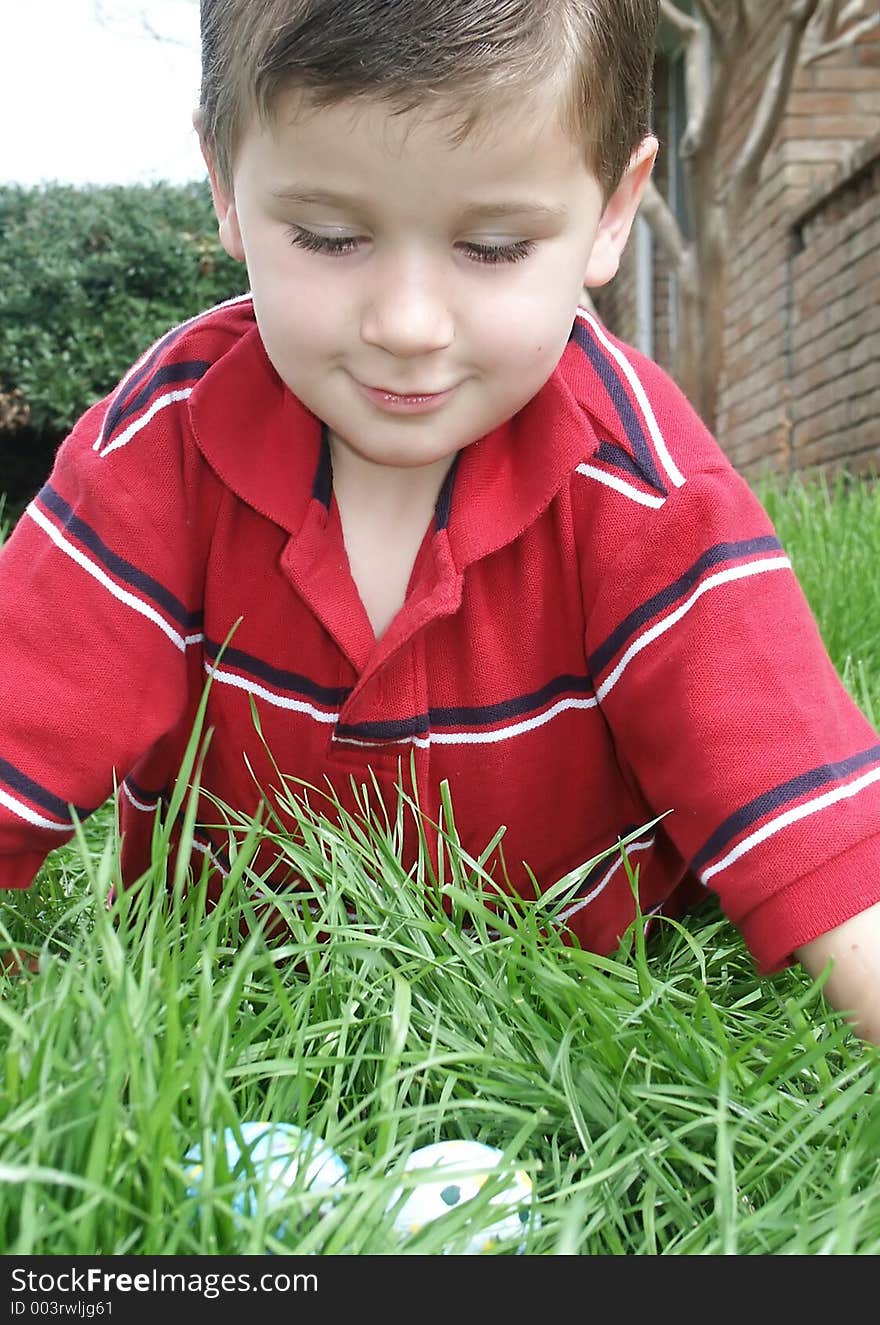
<point>88,279</point>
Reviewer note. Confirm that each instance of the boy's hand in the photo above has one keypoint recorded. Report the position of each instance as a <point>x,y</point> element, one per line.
<point>854,984</point>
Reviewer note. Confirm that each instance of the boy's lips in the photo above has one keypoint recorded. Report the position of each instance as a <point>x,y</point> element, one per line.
<point>410,402</point>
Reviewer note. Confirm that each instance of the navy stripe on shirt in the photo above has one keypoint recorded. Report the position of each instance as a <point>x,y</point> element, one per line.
<point>124,391</point>
<point>333,697</point>
<point>118,566</point>
<point>443,506</point>
<point>825,775</point>
<point>601,868</point>
<point>322,487</point>
<point>25,786</point>
<point>642,456</point>
<point>141,794</point>
<point>613,454</point>
<point>476,716</point>
<point>188,371</point>
<point>666,598</point>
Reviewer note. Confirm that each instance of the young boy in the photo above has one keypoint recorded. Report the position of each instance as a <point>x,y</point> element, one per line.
<point>462,529</point>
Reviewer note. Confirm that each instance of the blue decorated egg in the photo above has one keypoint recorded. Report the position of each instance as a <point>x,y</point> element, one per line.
<point>270,1159</point>
<point>447,1175</point>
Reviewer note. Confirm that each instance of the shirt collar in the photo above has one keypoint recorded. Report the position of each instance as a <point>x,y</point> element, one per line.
<point>270,450</point>
<point>256,435</point>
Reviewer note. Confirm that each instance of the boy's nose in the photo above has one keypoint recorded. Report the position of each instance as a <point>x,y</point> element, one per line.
<point>407,313</point>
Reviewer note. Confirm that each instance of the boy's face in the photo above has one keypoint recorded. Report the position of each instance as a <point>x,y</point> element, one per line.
<point>414,294</point>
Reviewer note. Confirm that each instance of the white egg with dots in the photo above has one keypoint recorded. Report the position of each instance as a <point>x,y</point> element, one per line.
<point>445,1176</point>
<point>272,1159</point>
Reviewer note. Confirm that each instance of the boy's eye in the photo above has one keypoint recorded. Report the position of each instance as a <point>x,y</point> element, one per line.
<point>515,252</point>
<point>335,245</point>
<point>340,246</point>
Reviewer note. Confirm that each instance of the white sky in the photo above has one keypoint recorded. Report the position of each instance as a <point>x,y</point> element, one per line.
<point>87,95</point>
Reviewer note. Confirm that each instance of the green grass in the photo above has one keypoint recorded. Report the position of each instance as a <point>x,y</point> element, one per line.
<point>831,531</point>
<point>665,1101</point>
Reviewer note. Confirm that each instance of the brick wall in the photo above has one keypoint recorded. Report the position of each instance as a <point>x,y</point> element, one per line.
<point>834,106</point>
<point>834,356</point>
<point>779,409</point>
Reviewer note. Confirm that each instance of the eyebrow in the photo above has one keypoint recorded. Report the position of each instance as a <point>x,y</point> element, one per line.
<point>325,197</point>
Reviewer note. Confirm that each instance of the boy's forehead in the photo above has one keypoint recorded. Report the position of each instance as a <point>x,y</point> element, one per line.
<point>526,138</point>
<point>350,175</point>
<point>487,119</point>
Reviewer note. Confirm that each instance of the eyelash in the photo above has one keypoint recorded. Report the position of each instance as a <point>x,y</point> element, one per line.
<point>487,254</point>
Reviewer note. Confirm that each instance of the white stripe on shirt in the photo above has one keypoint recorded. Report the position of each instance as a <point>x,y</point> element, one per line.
<point>91,568</point>
<point>746,571</point>
<point>620,485</point>
<point>139,363</point>
<point>477,737</point>
<point>803,811</point>
<point>170,398</point>
<point>638,390</point>
<point>31,816</point>
<point>603,883</point>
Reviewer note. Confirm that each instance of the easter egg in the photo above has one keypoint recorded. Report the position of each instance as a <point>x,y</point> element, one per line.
<point>446,1175</point>
<point>274,1159</point>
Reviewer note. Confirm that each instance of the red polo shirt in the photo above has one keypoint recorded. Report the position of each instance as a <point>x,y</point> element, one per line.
<point>601,627</point>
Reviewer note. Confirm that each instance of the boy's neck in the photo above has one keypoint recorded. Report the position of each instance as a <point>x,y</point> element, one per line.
<point>391,490</point>
<point>385,513</point>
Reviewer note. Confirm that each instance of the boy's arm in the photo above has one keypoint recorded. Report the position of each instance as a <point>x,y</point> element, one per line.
<point>95,599</point>
<point>727,710</point>
<point>854,984</point>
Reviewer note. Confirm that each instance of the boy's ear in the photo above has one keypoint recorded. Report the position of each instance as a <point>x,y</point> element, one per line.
<point>224,200</point>
<point>619,214</point>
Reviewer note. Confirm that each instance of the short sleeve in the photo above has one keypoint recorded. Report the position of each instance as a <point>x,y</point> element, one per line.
<point>98,613</point>
<point>727,711</point>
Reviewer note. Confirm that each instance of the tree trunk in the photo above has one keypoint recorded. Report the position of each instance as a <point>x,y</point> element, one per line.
<point>700,351</point>
<point>702,292</point>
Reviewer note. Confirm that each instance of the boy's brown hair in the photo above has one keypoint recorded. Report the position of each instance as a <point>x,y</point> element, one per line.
<point>464,56</point>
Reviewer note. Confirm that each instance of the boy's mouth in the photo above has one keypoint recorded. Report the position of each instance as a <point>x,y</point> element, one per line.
<point>412,401</point>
